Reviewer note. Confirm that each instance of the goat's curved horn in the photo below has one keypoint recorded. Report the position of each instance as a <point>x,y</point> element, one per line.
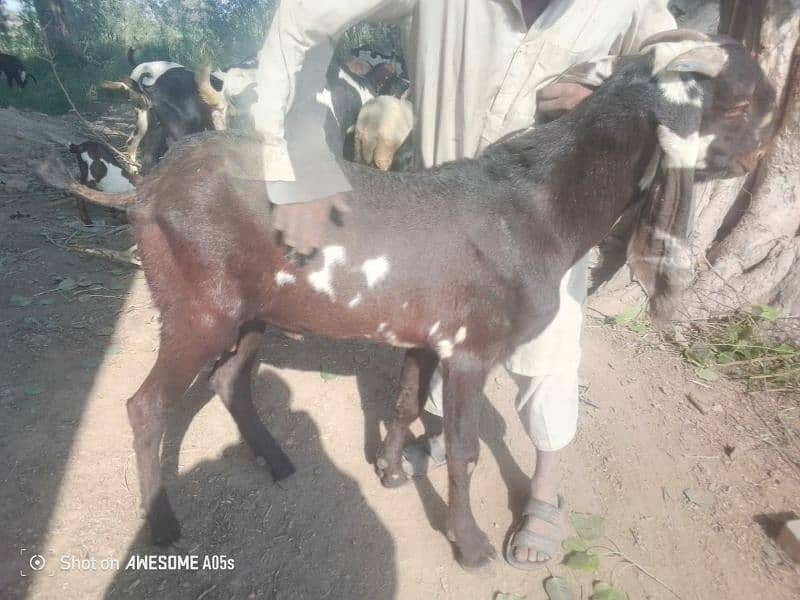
<point>208,94</point>
<point>705,60</point>
<point>116,85</point>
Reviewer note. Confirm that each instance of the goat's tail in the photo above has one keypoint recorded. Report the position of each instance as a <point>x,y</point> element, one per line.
<point>53,172</point>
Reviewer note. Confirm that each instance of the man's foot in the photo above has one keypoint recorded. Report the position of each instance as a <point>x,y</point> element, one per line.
<point>538,539</point>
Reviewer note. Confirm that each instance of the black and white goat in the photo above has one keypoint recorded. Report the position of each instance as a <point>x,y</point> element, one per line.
<point>99,169</point>
<point>168,107</point>
<point>459,264</point>
<point>15,71</point>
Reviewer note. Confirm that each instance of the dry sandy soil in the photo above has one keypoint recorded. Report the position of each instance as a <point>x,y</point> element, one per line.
<point>689,496</point>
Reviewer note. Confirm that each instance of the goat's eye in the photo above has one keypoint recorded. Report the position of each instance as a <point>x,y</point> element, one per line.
<point>737,110</point>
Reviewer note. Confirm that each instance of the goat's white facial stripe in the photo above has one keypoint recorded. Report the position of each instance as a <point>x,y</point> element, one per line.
<point>321,280</point>
<point>678,91</point>
<point>284,278</point>
<point>355,301</point>
<point>375,270</point>
<point>683,152</point>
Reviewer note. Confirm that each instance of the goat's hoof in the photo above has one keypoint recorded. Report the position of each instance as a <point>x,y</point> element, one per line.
<point>391,476</point>
<point>475,551</point>
<point>165,530</point>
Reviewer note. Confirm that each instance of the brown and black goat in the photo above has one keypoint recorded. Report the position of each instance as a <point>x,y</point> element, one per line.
<point>459,264</point>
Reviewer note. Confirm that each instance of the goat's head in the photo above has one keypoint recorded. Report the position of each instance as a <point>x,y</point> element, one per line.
<point>714,111</point>
<point>235,101</point>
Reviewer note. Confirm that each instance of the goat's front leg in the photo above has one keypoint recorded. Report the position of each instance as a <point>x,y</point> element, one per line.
<point>418,367</point>
<point>464,377</point>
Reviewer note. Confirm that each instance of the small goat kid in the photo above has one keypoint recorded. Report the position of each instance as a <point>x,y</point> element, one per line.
<point>99,169</point>
<point>459,263</point>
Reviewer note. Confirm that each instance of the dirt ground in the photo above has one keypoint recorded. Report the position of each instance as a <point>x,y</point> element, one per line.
<point>690,496</point>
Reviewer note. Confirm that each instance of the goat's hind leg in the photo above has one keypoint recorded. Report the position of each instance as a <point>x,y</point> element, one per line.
<point>232,380</point>
<point>464,377</point>
<point>418,367</point>
<point>179,360</point>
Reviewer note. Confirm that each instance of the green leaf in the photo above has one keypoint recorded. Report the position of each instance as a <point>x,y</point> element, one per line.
<point>558,588</point>
<point>67,284</point>
<point>707,374</point>
<point>574,544</point>
<point>583,561</point>
<point>700,354</point>
<point>785,349</point>
<point>588,526</point>
<point>725,357</point>
<point>17,300</point>
<point>504,596</point>
<point>327,376</point>
<point>34,389</point>
<point>629,315</point>
<point>603,591</point>
<point>766,312</point>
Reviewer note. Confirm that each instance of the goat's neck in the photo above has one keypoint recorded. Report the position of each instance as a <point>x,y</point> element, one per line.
<point>588,164</point>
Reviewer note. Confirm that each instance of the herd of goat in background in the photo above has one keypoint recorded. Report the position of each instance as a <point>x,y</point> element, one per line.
<point>366,96</point>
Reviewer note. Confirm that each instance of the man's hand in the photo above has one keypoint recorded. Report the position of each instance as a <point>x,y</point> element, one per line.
<point>304,224</point>
<point>558,98</point>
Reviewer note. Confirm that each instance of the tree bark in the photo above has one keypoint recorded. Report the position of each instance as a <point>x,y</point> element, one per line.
<point>746,238</point>
<point>54,19</point>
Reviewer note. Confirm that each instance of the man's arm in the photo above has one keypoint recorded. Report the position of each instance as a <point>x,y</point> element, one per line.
<point>649,17</point>
<point>299,25</point>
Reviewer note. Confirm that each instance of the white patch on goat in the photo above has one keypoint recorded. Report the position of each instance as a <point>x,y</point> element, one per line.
<point>113,181</point>
<point>363,92</point>
<point>375,270</point>
<point>324,98</point>
<point>321,280</point>
<point>704,143</point>
<point>678,91</point>
<point>444,348</point>
<point>284,277</point>
<point>381,327</point>
<point>461,335</point>
<point>435,328</point>
<point>148,73</point>
<point>680,152</point>
<point>355,301</point>
<point>22,75</point>
<point>405,305</point>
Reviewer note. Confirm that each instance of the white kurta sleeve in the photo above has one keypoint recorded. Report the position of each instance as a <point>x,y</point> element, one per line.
<point>649,17</point>
<point>297,26</point>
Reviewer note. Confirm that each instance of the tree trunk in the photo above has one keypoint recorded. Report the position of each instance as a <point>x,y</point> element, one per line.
<point>746,237</point>
<point>54,19</point>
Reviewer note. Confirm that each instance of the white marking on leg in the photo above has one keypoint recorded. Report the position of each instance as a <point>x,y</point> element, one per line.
<point>355,301</point>
<point>284,278</point>
<point>444,348</point>
<point>461,335</point>
<point>435,328</point>
<point>23,75</point>
<point>375,270</point>
<point>321,280</point>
